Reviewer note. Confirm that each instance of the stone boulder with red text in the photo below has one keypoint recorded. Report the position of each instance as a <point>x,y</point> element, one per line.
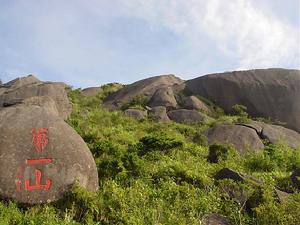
<point>41,156</point>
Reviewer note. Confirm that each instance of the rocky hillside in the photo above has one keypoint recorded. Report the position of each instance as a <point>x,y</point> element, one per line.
<point>218,149</point>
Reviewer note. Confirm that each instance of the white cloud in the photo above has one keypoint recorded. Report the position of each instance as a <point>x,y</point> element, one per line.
<point>240,29</point>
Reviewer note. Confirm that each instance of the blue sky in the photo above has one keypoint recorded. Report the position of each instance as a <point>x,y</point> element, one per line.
<point>93,42</point>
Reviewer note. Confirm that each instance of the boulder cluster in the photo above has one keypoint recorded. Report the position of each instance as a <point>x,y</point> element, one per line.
<point>41,156</point>
<point>270,93</point>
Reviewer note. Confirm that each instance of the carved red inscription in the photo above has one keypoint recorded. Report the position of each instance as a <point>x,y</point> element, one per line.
<point>40,138</point>
<point>39,141</point>
<point>38,185</point>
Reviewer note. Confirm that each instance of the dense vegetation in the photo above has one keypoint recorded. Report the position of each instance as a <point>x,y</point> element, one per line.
<point>155,173</point>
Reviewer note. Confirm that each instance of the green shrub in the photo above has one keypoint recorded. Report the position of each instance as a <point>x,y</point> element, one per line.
<point>138,102</point>
<point>241,111</point>
<point>218,152</point>
<point>157,142</point>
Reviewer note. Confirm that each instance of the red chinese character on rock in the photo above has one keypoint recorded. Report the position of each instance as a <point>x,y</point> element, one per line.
<point>40,139</point>
<point>38,175</point>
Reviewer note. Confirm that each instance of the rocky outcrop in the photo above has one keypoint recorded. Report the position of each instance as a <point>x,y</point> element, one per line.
<point>41,156</point>
<point>192,102</point>
<point>186,116</point>
<point>14,92</point>
<point>269,93</point>
<point>146,87</point>
<point>227,173</point>
<point>91,91</point>
<point>163,97</point>
<point>22,81</point>
<point>159,114</point>
<point>244,139</point>
<point>136,113</point>
<point>275,133</point>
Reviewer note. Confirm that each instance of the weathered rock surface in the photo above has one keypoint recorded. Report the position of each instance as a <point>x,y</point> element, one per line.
<point>136,113</point>
<point>296,178</point>
<point>21,88</point>
<point>159,114</point>
<point>227,173</point>
<point>146,87</point>
<point>275,133</point>
<point>22,81</point>
<point>91,91</point>
<point>192,102</point>
<point>186,116</point>
<point>215,219</point>
<point>244,139</point>
<point>273,93</point>
<point>40,154</point>
<point>163,97</point>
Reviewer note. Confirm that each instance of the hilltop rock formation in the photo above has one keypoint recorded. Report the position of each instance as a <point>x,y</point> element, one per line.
<point>269,93</point>
<point>15,91</point>
<point>146,87</point>
<point>244,139</point>
<point>91,91</point>
<point>41,156</point>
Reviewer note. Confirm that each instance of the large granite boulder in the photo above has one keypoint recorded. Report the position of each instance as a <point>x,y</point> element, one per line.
<point>163,97</point>
<point>159,114</point>
<point>273,93</point>
<point>91,91</point>
<point>136,113</point>
<point>244,139</point>
<point>146,87</point>
<point>275,133</point>
<point>21,88</point>
<point>22,81</point>
<point>192,102</point>
<point>41,156</point>
<point>186,116</point>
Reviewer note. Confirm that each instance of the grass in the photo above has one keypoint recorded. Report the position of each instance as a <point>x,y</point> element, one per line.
<point>155,173</point>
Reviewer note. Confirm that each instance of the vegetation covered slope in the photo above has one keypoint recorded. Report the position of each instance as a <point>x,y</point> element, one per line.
<point>155,173</point>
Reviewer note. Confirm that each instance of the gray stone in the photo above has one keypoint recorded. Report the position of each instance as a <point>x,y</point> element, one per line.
<point>91,91</point>
<point>186,116</point>
<point>163,97</point>
<point>274,133</point>
<point>159,114</point>
<point>227,173</point>
<point>145,87</point>
<point>21,88</point>
<point>244,139</point>
<point>41,156</point>
<point>215,219</point>
<point>22,81</point>
<point>136,113</point>
<point>269,93</point>
<point>192,102</point>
